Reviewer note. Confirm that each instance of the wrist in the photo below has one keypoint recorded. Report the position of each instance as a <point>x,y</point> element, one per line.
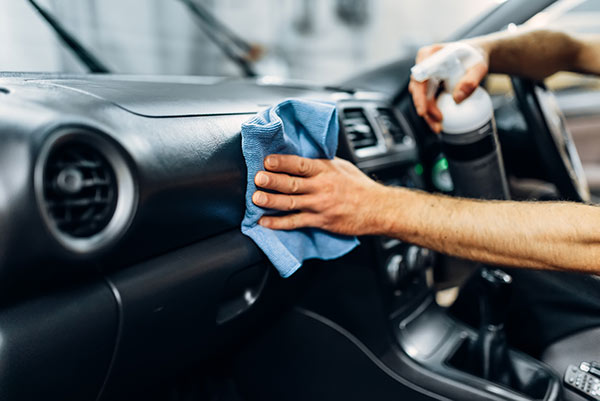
<point>485,46</point>
<point>391,210</point>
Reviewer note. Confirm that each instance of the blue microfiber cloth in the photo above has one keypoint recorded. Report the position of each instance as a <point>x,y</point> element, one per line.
<point>299,127</point>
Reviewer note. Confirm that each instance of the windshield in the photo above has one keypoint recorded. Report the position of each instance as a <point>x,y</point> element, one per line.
<point>317,40</point>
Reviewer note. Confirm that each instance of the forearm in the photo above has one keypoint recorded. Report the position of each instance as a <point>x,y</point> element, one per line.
<point>543,235</point>
<point>336,196</point>
<point>588,60</point>
<point>539,53</point>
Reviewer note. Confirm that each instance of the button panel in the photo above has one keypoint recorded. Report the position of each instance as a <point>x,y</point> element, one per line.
<point>583,382</point>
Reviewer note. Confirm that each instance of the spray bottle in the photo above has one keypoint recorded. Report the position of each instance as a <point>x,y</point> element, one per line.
<point>469,138</point>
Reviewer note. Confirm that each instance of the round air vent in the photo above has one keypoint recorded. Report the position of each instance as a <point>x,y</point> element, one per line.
<point>85,189</point>
<point>80,189</point>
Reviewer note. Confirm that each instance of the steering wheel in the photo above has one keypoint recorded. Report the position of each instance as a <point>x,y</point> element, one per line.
<point>553,140</point>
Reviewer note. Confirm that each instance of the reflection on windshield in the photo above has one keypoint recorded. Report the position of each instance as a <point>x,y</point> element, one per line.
<point>71,42</point>
<point>317,40</point>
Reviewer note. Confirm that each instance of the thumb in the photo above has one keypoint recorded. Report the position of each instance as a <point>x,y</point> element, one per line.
<point>469,82</point>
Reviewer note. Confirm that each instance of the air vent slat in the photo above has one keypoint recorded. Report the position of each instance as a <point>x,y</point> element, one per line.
<point>358,129</point>
<point>78,203</point>
<point>96,182</point>
<point>389,123</point>
<point>79,189</point>
<point>78,163</point>
<point>88,216</point>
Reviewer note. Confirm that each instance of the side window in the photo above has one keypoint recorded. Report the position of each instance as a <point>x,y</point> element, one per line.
<point>582,18</point>
<point>578,95</point>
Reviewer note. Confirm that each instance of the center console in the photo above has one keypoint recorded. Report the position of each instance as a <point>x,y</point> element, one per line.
<point>478,359</point>
<point>433,348</point>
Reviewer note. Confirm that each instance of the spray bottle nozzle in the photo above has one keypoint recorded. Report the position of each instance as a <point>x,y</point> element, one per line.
<point>449,65</point>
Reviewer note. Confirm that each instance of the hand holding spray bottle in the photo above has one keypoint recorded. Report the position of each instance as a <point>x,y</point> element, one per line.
<point>469,138</point>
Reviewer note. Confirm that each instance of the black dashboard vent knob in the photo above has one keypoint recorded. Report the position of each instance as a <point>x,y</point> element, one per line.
<point>79,189</point>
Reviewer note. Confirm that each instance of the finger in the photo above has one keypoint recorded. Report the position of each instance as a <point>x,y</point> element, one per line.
<point>469,82</point>
<point>419,95</point>
<point>419,89</point>
<point>283,183</point>
<point>282,202</point>
<point>427,51</point>
<point>433,111</point>
<point>292,164</point>
<point>435,126</point>
<point>291,221</point>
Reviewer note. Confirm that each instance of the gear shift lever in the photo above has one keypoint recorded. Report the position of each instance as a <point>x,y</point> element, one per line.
<point>489,354</point>
<point>496,286</point>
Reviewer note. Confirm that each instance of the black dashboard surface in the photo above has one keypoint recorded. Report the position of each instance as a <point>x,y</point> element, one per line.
<point>178,263</point>
<point>178,137</point>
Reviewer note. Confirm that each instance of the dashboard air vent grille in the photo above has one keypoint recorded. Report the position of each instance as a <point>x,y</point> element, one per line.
<point>389,123</point>
<point>357,127</point>
<point>80,189</point>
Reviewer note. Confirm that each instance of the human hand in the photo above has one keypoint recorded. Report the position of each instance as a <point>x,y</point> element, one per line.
<point>333,195</point>
<point>427,107</point>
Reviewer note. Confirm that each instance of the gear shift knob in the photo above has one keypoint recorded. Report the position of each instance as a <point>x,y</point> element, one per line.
<point>496,292</point>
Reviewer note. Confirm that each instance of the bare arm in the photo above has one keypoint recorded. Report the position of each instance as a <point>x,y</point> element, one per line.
<point>538,54</point>
<point>530,53</point>
<point>547,235</point>
<point>336,196</point>
<point>588,60</point>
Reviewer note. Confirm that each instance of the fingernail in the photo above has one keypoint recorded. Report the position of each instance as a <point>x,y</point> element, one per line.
<point>271,161</point>
<point>264,222</point>
<point>259,198</point>
<point>261,179</point>
<point>459,97</point>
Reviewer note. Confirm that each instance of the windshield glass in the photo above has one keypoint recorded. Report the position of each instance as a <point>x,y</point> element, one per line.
<point>316,40</point>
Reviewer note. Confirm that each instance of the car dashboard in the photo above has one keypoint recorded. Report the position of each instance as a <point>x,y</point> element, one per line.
<point>120,204</point>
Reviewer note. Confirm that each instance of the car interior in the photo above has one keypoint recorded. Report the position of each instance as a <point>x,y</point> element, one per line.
<point>125,276</point>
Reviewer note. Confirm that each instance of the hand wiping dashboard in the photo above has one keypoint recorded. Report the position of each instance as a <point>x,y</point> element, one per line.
<point>304,128</point>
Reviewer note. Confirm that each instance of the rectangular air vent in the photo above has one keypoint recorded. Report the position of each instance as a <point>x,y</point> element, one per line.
<point>358,129</point>
<point>390,125</point>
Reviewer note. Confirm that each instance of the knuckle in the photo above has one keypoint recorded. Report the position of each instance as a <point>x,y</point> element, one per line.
<point>303,166</point>
<point>294,185</point>
<point>293,221</point>
<point>327,220</point>
<point>291,203</point>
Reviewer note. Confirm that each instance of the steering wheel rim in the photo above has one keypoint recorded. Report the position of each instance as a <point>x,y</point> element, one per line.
<point>553,140</point>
